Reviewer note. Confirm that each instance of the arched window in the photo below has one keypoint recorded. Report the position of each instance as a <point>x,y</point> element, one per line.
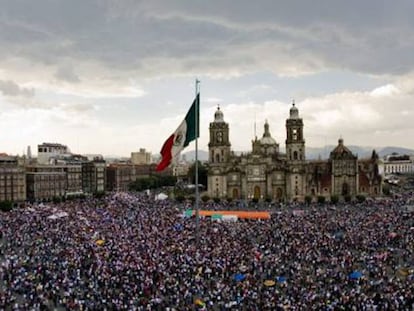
<point>217,158</point>
<point>295,155</point>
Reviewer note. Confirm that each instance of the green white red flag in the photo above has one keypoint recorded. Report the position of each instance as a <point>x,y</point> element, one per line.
<point>186,132</point>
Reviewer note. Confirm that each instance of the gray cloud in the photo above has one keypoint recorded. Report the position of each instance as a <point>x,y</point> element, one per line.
<point>11,88</point>
<point>66,73</point>
<point>217,37</point>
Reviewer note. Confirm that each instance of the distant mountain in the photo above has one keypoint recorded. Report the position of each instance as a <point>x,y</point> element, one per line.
<point>190,155</point>
<point>388,150</point>
<point>313,153</point>
<point>360,151</point>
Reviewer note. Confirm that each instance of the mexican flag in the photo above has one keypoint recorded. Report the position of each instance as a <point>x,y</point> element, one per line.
<point>183,135</point>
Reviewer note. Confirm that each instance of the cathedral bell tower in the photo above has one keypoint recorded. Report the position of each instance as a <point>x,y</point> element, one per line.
<point>295,143</point>
<point>218,156</point>
<point>295,154</point>
<point>219,145</point>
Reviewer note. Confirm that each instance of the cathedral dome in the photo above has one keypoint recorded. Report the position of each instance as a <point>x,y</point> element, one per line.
<point>267,139</point>
<point>294,112</point>
<point>341,151</point>
<point>218,115</point>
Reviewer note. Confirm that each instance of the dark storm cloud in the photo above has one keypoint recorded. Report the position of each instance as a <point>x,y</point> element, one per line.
<point>211,36</point>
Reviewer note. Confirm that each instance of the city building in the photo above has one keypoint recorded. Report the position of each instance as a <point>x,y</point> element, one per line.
<point>266,173</point>
<point>141,157</point>
<point>46,182</point>
<point>120,175</point>
<point>46,151</point>
<point>398,164</point>
<point>181,169</point>
<point>94,176</point>
<point>12,179</point>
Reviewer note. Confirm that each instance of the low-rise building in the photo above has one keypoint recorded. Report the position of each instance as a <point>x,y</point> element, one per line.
<point>94,176</point>
<point>45,182</point>
<point>12,179</point>
<point>120,175</point>
<point>141,157</point>
<point>395,163</point>
<point>46,151</point>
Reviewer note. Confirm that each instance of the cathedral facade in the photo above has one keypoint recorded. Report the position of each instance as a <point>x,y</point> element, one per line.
<point>266,173</point>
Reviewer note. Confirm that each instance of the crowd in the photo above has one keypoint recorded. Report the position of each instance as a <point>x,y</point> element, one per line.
<point>130,252</point>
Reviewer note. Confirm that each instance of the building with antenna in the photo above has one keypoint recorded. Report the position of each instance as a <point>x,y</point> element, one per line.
<point>266,173</point>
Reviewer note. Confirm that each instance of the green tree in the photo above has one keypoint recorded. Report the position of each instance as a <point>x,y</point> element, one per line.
<point>386,190</point>
<point>360,198</point>
<point>205,198</point>
<point>321,199</point>
<point>152,182</point>
<point>308,199</point>
<point>180,198</point>
<point>202,174</point>
<point>334,199</point>
<point>57,199</point>
<point>6,206</point>
<point>99,194</point>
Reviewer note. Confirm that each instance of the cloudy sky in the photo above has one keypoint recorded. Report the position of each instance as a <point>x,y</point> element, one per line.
<point>111,77</point>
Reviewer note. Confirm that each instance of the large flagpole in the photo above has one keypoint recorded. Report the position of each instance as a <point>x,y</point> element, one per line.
<point>197,106</point>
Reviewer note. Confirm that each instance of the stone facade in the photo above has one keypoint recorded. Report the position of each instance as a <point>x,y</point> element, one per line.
<point>266,173</point>
<point>12,180</point>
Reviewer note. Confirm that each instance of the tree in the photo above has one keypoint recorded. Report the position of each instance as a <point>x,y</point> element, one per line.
<point>56,199</point>
<point>202,174</point>
<point>152,182</point>
<point>99,194</point>
<point>347,198</point>
<point>180,198</point>
<point>205,198</point>
<point>321,199</point>
<point>386,190</point>
<point>334,199</point>
<point>6,206</point>
<point>360,198</point>
<point>308,199</point>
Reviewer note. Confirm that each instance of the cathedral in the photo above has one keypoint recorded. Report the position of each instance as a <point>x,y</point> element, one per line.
<point>265,173</point>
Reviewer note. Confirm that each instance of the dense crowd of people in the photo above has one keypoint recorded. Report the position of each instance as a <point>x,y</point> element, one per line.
<point>131,252</point>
